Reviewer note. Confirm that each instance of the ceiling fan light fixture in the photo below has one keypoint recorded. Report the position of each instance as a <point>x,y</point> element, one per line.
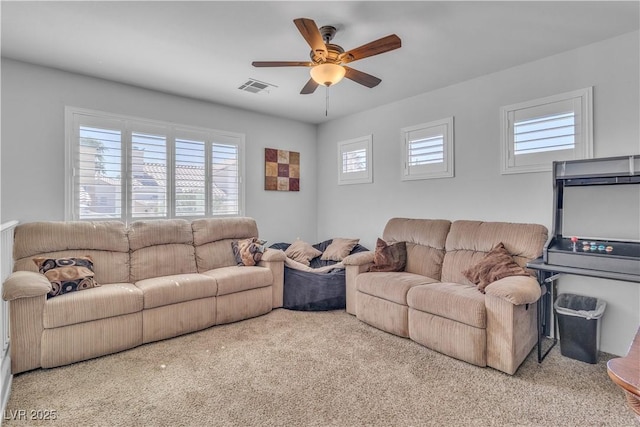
<point>327,74</point>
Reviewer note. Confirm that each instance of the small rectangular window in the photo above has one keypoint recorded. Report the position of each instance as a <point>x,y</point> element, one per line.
<point>538,132</point>
<point>354,161</point>
<point>428,150</point>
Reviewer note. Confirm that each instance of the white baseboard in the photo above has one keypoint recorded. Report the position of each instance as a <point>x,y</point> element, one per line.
<point>7,379</point>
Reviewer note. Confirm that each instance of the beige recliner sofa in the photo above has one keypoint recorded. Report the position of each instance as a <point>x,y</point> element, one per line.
<point>433,303</point>
<point>159,279</point>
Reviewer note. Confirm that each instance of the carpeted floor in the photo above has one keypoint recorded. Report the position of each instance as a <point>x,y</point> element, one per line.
<point>293,368</point>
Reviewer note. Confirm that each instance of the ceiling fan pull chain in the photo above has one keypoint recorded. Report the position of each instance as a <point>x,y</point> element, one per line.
<point>326,102</point>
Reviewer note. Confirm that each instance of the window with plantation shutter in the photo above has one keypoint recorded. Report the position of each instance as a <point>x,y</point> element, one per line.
<point>538,132</point>
<point>127,168</point>
<point>428,150</point>
<point>354,161</point>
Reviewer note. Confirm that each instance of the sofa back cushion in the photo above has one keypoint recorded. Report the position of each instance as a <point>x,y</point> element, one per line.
<point>104,241</point>
<point>161,248</point>
<point>425,240</point>
<point>212,238</point>
<point>469,241</point>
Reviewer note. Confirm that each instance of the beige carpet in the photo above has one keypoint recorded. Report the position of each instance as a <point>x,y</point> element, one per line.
<point>313,368</point>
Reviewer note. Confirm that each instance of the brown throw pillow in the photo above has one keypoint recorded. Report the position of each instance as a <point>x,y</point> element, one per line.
<point>302,252</point>
<point>391,257</point>
<point>248,251</point>
<point>339,249</point>
<point>495,265</point>
<point>67,274</point>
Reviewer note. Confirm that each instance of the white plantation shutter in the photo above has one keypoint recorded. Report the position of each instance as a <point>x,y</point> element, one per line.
<point>190,178</point>
<point>127,168</point>
<point>96,169</point>
<point>354,161</point>
<point>148,175</point>
<point>538,132</point>
<point>225,179</point>
<point>428,150</point>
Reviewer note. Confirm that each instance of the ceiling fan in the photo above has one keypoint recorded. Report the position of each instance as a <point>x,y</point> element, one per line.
<point>327,59</point>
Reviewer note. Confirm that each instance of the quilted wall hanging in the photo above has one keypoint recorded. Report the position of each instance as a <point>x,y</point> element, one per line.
<point>281,170</point>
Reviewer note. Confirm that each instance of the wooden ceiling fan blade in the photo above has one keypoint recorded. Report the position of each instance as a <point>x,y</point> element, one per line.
<point>363,78</point>
<point>376,47</point>
<point>311,34</point>
<point>282,64</point>
<point>309,88</point>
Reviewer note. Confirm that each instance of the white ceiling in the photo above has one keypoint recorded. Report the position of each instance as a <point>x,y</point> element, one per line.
<point>204,49</point>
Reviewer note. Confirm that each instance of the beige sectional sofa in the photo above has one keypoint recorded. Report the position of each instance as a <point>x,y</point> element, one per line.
<point>433,303</point>
<point>158,279</point>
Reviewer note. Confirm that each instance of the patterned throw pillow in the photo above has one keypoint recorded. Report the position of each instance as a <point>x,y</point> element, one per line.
<point>302,252</point>
<point>67,274</point>
<point>391,257</point>
<point>495,265</point>
<point>248,251</point>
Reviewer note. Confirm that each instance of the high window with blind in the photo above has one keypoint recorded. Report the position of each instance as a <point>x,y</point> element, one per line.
<point>354,161</point>
<point>427,150</point>
<point>538,132</point>
<point>127,168</point>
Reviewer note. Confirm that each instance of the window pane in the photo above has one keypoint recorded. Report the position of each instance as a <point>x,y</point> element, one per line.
<point>98,187</point>
<point>148,175</point>
<point>426,151</point>
<point>225,182</point>
<point>190,178</point>
<point>354,161</point>
<point>548,133</point>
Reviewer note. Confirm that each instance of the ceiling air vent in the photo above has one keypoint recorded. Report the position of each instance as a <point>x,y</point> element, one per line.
<point>256,86</point>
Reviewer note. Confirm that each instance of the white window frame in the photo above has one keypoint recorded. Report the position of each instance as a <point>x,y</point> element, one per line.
<point>361,177</point>
<point>443,169</point>
<point>582,101</point>
<point>76,117</point>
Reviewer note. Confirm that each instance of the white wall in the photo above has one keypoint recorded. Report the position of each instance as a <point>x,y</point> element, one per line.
<point>478,190</point>
<point>33,101</point>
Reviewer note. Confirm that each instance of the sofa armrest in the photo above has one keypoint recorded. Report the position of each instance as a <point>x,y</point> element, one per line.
<point>359,258</point>
<point>273,259</point>
<point>355,264</point>
<point>271,255</point>
<point>25,284</point>
<point>518,290</point>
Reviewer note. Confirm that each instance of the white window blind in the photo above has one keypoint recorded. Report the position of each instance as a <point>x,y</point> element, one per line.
<point>354,161</point>
<point>428,150</point>
<point>128,168</point>
<point>190,178</point>
<point>225,178</point>
<point>538,132</point>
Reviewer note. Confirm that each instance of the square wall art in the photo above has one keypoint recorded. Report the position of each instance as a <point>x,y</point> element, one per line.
<point>281,170</point>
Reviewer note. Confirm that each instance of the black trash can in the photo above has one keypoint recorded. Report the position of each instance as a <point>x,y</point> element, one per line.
<point>579,323</point>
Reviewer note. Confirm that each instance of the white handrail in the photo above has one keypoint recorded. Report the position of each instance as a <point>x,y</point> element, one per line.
<point>6,266</point>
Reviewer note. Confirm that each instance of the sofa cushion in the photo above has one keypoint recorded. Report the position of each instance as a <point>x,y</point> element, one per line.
<point>108,300</point>
<point>67,274</point>
<point>389,257</point>
<point>106,242</point>
<point>390,286</point>
<point>236,279</point>
<point>162,260</point>
<point>212,238</point>
<point>469,241</point>
<point>425,239</point>
<point>302,252</point>
<point>455,301</point>
<point>165,290</point>
<point>161,248</point>
<point>495,265</point>
<point>339,249</point>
